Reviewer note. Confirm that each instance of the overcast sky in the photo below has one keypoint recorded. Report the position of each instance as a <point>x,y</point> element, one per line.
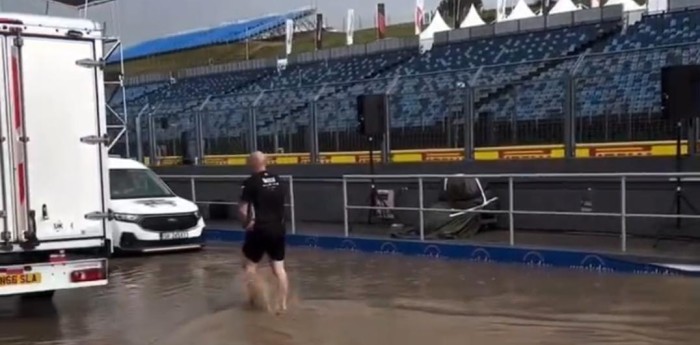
<point>139,20</point>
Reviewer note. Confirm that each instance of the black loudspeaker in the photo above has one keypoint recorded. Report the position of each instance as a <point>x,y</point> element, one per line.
<point>680,92</point>
<point>371,114</point>
<point>187,158</point>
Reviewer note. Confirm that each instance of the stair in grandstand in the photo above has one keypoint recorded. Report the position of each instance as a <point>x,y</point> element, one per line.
<point>146,96</point>
<point>369,76</point>
<point>602,38</point>
<point>245,84</point>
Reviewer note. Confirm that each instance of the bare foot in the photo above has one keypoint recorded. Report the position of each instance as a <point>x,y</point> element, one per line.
<point>282,308</point>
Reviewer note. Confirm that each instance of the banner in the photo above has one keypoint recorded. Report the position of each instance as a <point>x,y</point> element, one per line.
<point>381,21</point>
<point>350,27</point>
<point>419,15</point>
<point>290,35</point>
<point>319,31</point>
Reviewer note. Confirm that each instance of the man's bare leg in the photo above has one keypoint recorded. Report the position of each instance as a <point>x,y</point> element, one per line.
<point>250,269</point>
<point>254,288</point>
<point>282,284</point>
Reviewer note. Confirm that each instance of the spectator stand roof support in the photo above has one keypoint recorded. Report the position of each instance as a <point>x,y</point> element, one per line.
<point>117,124</point>
<point>239,31</point>
<point>301,24</point>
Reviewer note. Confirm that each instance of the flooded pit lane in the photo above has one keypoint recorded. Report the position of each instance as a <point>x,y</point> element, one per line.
<point>351,298</point>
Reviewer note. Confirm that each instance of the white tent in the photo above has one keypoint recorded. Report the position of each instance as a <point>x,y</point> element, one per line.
<point>436,25</point>
<point>627,5</point>
<point>520,11</point>
<point>473,19</point>
<point>563,6</point>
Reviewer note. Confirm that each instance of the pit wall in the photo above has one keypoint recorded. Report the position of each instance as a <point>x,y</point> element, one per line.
<point>319,196</point>
<point>557,151</point>
<point>586,261</point>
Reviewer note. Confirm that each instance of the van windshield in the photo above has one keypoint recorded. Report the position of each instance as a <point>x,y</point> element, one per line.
<point>137,184</point>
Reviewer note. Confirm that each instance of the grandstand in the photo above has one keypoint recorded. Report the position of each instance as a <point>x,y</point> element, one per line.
<point>523,86</point>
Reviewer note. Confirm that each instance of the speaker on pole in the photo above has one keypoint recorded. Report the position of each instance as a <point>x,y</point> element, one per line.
<point>680,92</point>
<point>187,158</point>
<point>371,115</point>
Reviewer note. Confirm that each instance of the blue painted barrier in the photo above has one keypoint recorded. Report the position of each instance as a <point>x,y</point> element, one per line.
<point>580,260</point>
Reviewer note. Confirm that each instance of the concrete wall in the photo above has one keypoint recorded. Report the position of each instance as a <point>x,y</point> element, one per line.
<point>318,192</point>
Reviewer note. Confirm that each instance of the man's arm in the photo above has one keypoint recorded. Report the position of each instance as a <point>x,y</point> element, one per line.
<point>244,214</point>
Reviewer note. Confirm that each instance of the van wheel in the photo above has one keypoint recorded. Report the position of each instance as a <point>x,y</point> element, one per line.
<point>43,295</point>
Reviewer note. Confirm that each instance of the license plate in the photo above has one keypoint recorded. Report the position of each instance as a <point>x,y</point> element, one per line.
<point>178,235</point>
<point>20,279</point>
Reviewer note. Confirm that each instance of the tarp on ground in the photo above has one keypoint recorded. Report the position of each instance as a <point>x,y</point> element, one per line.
<point>563,6</point>
<point>222,34</point>
<point>520,11</point>
<point>472,19</point>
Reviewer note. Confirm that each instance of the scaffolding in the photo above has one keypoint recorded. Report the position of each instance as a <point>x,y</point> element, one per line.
<point>117,124</point>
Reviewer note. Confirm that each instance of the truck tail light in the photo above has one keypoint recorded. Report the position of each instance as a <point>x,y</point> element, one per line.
<point>10,21</point>
<point>88,275</point>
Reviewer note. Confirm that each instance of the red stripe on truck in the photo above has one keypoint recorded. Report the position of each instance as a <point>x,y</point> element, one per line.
<point>16,95</point>
<point>21,182</point>
<point>18,122</point>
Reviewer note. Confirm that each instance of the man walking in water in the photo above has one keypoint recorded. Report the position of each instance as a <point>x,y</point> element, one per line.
<point>261,209</point>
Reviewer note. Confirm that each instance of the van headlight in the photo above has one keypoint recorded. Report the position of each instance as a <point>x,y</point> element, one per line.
<point>125,217</point>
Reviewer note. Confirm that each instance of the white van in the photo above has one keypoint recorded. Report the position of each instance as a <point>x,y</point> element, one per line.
<point>146,216</point>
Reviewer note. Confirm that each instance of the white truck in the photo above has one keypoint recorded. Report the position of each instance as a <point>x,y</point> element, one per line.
<point>54,182</point>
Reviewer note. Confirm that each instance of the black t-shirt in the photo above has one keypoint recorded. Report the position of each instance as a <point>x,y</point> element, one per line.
<point>265,193</point>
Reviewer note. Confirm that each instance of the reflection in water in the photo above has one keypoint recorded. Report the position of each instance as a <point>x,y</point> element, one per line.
<point>24,322</point>
<point>348,298</point>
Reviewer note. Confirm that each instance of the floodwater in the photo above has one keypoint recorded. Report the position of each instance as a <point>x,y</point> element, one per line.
<point>351,298</point>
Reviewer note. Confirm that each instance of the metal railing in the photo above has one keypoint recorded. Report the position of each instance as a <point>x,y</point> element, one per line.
<point>233,178</point>
<point>622,178</point>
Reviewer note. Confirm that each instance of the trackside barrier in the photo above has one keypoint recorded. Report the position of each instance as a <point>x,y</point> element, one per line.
<point>232,178</point>
<point>511,211</point>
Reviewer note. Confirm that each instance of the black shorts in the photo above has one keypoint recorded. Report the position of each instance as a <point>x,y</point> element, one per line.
<point>263,241</point>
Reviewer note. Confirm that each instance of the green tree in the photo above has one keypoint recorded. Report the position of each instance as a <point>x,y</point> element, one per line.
<point>455,10</point>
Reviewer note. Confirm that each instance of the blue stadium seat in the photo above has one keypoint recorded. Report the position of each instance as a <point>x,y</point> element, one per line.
<point>517,77</point>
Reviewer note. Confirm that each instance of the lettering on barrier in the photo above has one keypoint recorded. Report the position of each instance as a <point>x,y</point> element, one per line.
<point>656,271</point>
<point>348,245</point>
<point>593,263</point>
<point>534,259</point>
<point>480,255</point>
<point>388,248</point>
<point>311,242</point>
<point>432,251</point>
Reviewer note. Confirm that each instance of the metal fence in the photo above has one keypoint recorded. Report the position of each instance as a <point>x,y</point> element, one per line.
<point>193,179</point>
<point>552,101</point>
<point>508,203</point>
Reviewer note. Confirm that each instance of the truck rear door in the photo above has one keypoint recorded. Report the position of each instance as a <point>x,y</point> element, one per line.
<point>56,129</point>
